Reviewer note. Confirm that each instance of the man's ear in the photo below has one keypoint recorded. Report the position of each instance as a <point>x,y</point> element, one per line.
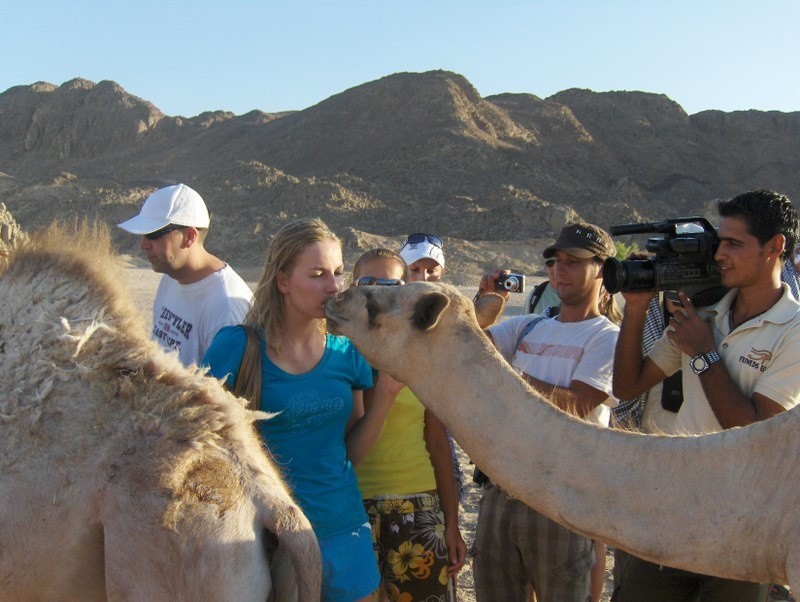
<point>429,309</point>
<point>189,236</point>
<point>776,245</point>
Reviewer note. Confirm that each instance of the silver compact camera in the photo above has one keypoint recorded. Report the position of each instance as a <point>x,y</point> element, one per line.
<point>513,283</point>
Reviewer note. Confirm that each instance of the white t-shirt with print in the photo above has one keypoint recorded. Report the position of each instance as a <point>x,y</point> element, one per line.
<point>559,352</point>
<point>187,316</point>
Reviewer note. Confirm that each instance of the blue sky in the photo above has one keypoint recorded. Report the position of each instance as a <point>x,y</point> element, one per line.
<point>236,55</point>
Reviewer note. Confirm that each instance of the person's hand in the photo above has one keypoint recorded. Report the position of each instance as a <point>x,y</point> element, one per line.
<point>388,384</point>
<point>488,301</point>
<point>487,284</point>
<point>637,300</point>
<point>691,334</point>
<point>456,550</point>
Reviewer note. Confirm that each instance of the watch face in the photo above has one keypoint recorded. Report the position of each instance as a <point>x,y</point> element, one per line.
<point>698,363</point>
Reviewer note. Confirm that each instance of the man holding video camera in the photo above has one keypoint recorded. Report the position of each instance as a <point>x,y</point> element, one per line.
<point>738,359</point>
<point>567,359</point>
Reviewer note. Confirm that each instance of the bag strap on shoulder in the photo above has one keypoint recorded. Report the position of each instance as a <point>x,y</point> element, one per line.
<point>536,294</point>
<point>528,327</point>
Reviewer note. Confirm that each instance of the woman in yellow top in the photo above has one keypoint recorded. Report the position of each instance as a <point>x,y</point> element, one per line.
<point>407,481</point>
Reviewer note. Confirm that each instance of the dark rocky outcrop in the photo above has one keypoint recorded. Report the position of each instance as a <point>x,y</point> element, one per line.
<point>406,152</point>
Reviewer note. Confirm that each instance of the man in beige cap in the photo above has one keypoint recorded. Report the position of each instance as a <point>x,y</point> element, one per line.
<point>199,293</point>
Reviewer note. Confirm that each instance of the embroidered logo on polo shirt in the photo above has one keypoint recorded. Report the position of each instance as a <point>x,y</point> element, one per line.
<point>757,358</point>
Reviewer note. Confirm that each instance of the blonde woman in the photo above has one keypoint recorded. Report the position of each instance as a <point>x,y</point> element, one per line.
<point>315,381</point>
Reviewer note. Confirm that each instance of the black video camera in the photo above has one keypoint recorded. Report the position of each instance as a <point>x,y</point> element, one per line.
<point>681,261</point>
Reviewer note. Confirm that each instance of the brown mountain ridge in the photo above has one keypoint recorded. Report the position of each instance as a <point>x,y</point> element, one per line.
<point>495,176</point>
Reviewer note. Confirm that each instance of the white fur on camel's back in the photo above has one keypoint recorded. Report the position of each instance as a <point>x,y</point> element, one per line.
<point>124,475</point>
<point>722,504</point>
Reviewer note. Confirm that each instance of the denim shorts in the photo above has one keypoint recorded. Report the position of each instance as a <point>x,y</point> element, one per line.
<point>349,568</point>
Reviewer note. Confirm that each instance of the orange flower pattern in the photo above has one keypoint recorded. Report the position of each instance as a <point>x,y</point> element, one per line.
<point>408,535</point>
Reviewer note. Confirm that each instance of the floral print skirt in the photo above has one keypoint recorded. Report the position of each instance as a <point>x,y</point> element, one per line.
<point>408,537</point>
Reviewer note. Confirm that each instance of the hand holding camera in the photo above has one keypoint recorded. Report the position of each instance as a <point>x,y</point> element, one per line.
<point>501,282</point>
<point>507,281</point>
<point>687,329</point>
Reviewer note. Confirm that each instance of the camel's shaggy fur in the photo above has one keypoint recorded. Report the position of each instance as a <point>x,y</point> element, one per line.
<point>124,475</point>
<point>722,504</point>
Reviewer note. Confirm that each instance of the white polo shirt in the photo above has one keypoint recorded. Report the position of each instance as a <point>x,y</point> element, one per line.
<point>762,356</point>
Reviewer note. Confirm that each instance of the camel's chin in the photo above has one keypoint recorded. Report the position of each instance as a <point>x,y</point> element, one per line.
<point>333,321</point>
<point>332,326</point>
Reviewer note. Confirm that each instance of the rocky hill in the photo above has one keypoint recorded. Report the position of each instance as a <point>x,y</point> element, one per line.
<point>495,176</point>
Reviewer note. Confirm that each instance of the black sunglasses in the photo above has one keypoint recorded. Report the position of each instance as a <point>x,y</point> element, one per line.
<point>165,230</point>
<point>419,237</point>
<point>372,281</point>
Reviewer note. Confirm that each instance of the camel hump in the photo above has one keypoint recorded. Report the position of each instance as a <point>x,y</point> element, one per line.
<point>76,257</point>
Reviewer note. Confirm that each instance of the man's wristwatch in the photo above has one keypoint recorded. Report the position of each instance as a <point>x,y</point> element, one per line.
<point>703,361</point>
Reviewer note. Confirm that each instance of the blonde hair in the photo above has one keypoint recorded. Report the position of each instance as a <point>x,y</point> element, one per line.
<point>608,306</point>
<point>266,314</point>
<point>379,253</point>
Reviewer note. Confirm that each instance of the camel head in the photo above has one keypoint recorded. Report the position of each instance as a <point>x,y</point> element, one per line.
<point>401,328</point>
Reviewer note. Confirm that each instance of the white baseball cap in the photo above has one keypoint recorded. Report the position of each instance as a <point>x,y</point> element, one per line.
<point>178,204</point>
<point>422,246</point>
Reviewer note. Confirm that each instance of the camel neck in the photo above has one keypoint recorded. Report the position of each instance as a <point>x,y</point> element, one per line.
<point>523,442</point>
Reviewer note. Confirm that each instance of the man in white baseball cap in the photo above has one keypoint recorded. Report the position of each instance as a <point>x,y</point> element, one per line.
<point>199,293</point>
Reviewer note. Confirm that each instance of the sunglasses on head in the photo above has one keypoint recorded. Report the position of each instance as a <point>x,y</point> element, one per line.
<point>165,230</point>
<point>419,237</point>
<point>371,281</point>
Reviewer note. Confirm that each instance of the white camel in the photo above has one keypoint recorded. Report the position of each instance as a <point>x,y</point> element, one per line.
<point>724,504</point>
<point>124,475</point>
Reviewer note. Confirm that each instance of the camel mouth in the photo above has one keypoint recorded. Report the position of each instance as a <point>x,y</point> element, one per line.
<point>336,309</point>
<point>331,318</point>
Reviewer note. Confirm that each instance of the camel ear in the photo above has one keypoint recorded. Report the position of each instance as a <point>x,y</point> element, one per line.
<point>429,309</point>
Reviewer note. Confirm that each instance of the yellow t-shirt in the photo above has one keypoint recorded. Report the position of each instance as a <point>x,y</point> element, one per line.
<point>399,462</point>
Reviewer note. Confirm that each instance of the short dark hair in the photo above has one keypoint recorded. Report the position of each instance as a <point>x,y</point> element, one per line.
<point>767,213</point>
